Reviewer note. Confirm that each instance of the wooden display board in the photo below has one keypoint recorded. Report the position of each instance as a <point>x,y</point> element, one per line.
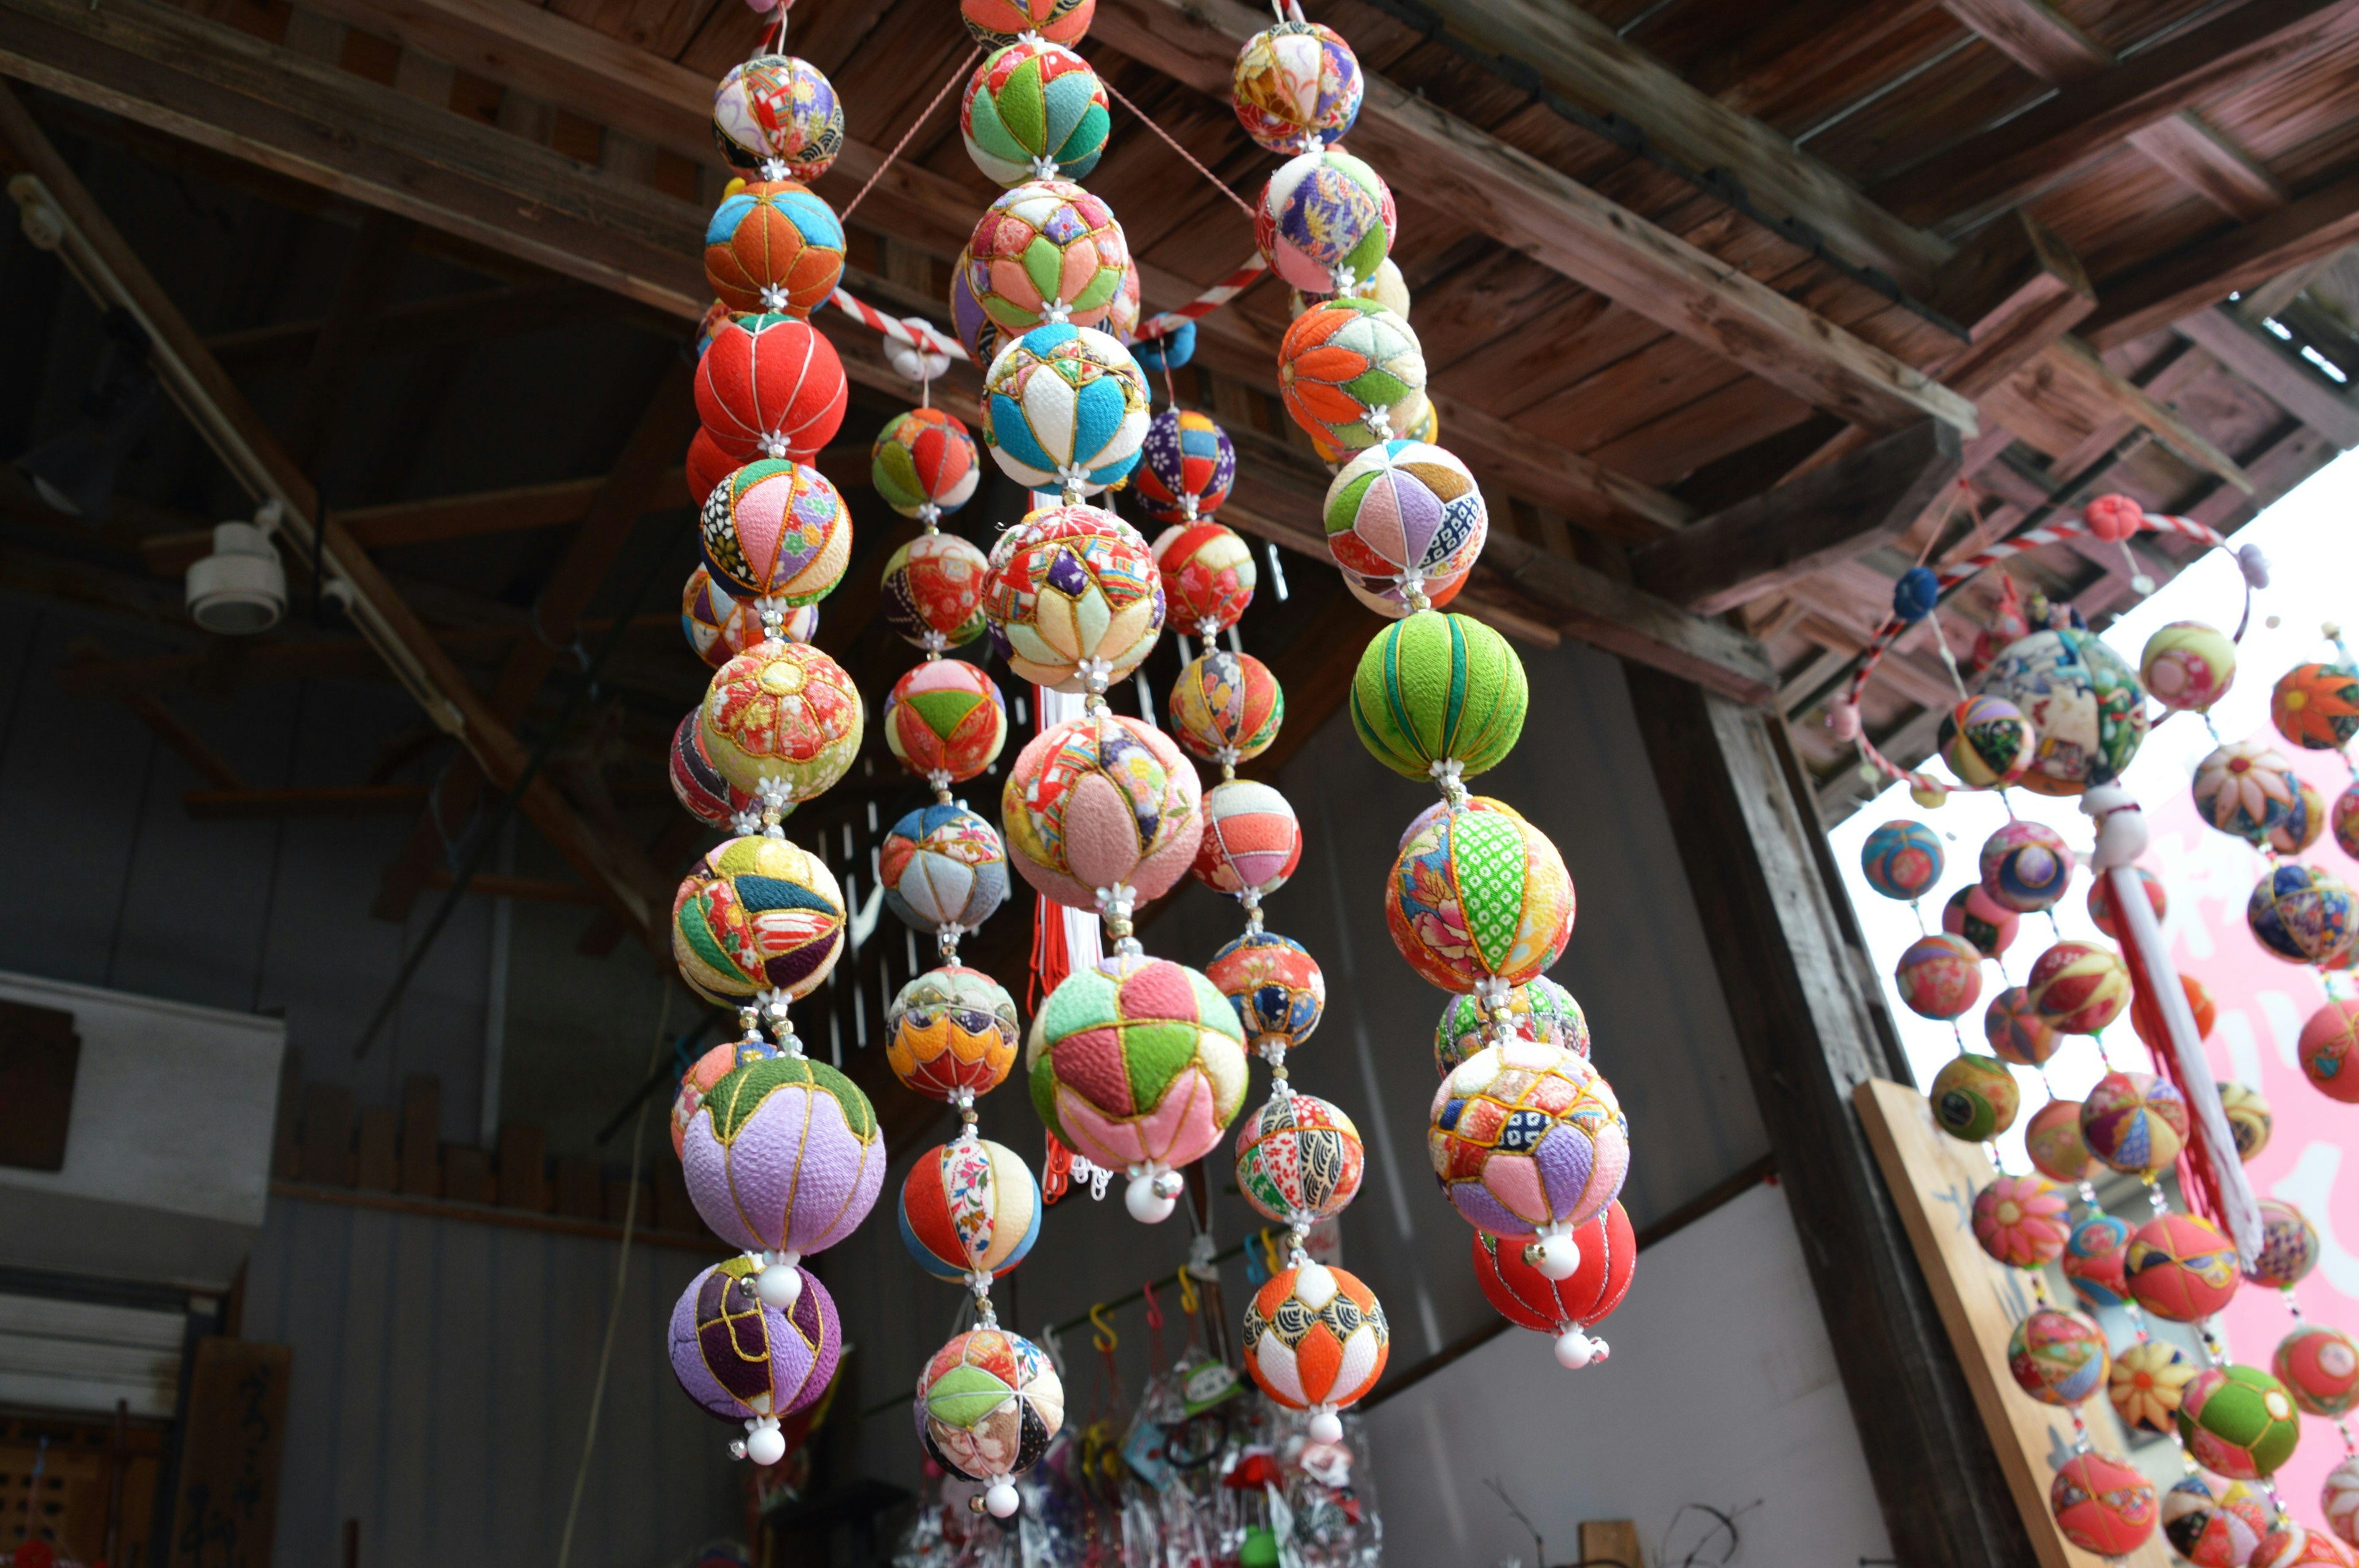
<point>230,1449</point>
<point>1934,1178</point>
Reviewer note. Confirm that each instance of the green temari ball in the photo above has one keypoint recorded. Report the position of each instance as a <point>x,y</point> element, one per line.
<point>1436,686</point>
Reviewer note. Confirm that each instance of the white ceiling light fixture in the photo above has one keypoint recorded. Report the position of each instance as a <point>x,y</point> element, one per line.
<point>240,590</point>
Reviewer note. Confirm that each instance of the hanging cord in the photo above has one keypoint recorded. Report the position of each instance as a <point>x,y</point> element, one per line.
<point>1243,206</point>
<point>622,1272</point>
<point>923,115</point>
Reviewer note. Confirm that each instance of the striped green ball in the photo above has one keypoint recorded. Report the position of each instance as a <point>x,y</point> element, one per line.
<point>1436,686</point>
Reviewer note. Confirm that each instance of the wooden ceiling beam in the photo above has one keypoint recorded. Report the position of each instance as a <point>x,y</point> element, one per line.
<point>454,321</point>
<point>334,801</point>
<point>2292,385</point>
<point>2158,292</point>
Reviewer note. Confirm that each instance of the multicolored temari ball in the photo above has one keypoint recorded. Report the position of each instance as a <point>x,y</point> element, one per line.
<point>1325,222</point>
<point>924,463</point>
<point>2316,706</point>
<point>1046,251</point>
<point>2095,1261</point>
<point>943,869</point>
<point>2026,867</point>
<point>2290,1545</point>
<point>1436,688</point>
<point>742,1359</point>
<point>2052,1139</point>
<point>2302,913</point>
<point>952,1031</point>
<point>988,1405</point>
<point>1566,1308</point>
<point>2101,899</point>
<point>1297,85</point>
<point>2344,818</point>
<point>700,786</point>
<point>1972,913</point>
<point>2016,1032</point>
<point>2329,1050</point>
<point>2215,1529</point>
<point>1901,858</point>
<point>1034,109</point>
<point>968,1208</point>
<point>2179,1267</point>
<point>770,386</point>
<point>757,913</point>
<point>1208,575</point>
<point>1137,1063</point>
<point>1274,985</point>
<point>776,529</point>
<point>2250,1120</point>
<point>1988,743</point>
<point>1186,465</point>
<point>2239,1421</point>
<point>2187,666</point>
<point>2078,988</point>
<point>774,245</point>
<point>1539,1009</point>
<point>2085,704</point>
<point>1252,840</point>
<point>1065,408</point>
<point>2022,1221</point>
<point>695,1084</point>
<point>2148,1380</point>
<point>784,714</point>
<point>1315,1340</point>
<point>2102,1504</point>
<point>2339,1500</point>
<point>2057,1358</point>
<point>1528,1139</point>
<point>1299,1159</point>
<point>720,627</point>
<point>1072,597</point>
<point>2246,788</point>
<point>2318,1365</point>
<point>778,109</point>
<point>2290,1246</point>
<point>1408,511</point>
<point>1939,976</point>
<point>784,1155</point>
<point>1351,373</point>
<point>1974,1098</point>
<point>2303,825</point>
<point>1099,802</point>
<point>2135,1122</point>
<point>933,591</point>
<point>982,336</point>
<point>1478,894</point>
<point>1390,597</point>
<point>945,716</point>
<point>995,24</point>
<point>1226,707</point>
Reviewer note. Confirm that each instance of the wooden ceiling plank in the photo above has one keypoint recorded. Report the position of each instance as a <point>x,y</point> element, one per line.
<point>2314,224</point>
<point>474,316</point>
<point>2245,350</point>
<point>2206,160</point>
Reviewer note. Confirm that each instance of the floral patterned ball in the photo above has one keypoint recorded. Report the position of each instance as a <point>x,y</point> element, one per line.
<point>1528,1139</point>
<point>1208,576</point>
<point>1072,598</point>
<point>1939,976</point>
<point>2148,1380</point>
<point>2302,914</point>
<point>988,1405</point>
<point>933,591</point>
<point>2188,666</point>
<point>1476,895</point>
<point>952,1031</point>
<point>1226,707</point>
<point>1185,468</point>
<point>2316,706</point>
<point>2022,1221</point>
<point>2246,788</point>
<point>1299,1159</point>
<point>2084,703</point>
<point>1296,85</point>
<point>2052,1137</point>
<point>782,717</point>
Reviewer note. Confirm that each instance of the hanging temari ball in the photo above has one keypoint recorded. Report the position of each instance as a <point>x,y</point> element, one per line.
<point>2026,867</point>
<point>2148,1381</point>
<point>695,1084</point>
<point>1974,1098</point>
<point>1404,510</point>
<point>1034,109</point>
<point>2290,1246</point>
<point>2187,666</point>
<point>2291,1545</point>
<point>1276,987</point>
<point>933,591</point>
<point>1569,1308</point>
<point>1299,1159</point>
<point>988,1405</point>
<point>783,714</point>
<point>2250,1121</point>
<point>945,716</point>
<point>1046,251</point>
<point>968,1208</point>
<point>1988,743</point>
<point>776,529</point>
<point>2316,707</point>
<point>2015,1032</point>
<point>995,24</point>
<point>2329,1050</point>
<point>1901,858</point>
<point>2022,1221</point>
<point>778,109</point>
<point>1939,976</point>
<point>2085,704</point>
<point>2181,1268</point>
<point>950,1030</point>
<point>1438,695</point>
<point>2102,1504</point>
<point>1138,1064</point>
<point>1972,913</point>
<point>1208,575</point>
<point>742,1359</point>
<point>2096,1260</point>
<point>2239,1421</point>
<point>2339,1500</point>
<point>1075,599</point>
<point>2318,1365</point>
<point>2302,913</point>
<point>1539,1009</point>
<point>2246,788</point>
<point>2220,1530</point>
<point>784,1156</point>
<point>2052,1139</point>
<point>1100,802</point>
<point>1226,707</point>
<point>980,336</point>
<point>2344,816</point>
<point>1316,1340</point>
<point>2101,900</point>
<point>944,868</point>
<point>1186,465</point>
<point>2057,1358</point>
<point>756,914</point>
<point>1528,1140</point>
<point>1389,597</point>
<point>774,245</point>
<point>705,465</point>
<point>924,463</point>
<point>2303,825</point>
<point>1065,408</point>
<point>1476,896</point>
<point>2135,1122</point>
<point>771,386</point>
<point>1325,222</point>
<point>708,795</point>
<point>1252,842</point>
<point>720,627</point>
<point>1296,85</point>
<point>2078,988</point>
<point>1352,374</point>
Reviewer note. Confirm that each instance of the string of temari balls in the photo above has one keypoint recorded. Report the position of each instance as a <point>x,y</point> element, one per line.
<point>782,1155</point>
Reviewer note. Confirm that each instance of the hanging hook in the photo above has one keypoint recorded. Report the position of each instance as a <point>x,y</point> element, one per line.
<point>1189,1300</point>
<point>1102,1333</point>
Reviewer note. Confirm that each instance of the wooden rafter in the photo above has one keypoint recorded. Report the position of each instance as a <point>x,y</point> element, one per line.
<point>2247,349</point>
<point>2316,224</point>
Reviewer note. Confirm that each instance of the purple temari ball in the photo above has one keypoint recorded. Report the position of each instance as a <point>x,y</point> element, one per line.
<point>784,1155</point>
<point>738,1357</point>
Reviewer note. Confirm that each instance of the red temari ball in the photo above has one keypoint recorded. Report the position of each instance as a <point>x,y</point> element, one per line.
<point>706,467</point>
<point>2146,1018</point>
<point>1939,975</point>
<point>945,716</point>
<point>1252,840</point>
<point>1208,576</point>
<point>2180,1267</point>
<point>2079,987</point>
<point>2328,1049</point>
<point>2102,1504</point>
<point>770,386</point>
<point>1566,1307</point>
<point>2101,899</point>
